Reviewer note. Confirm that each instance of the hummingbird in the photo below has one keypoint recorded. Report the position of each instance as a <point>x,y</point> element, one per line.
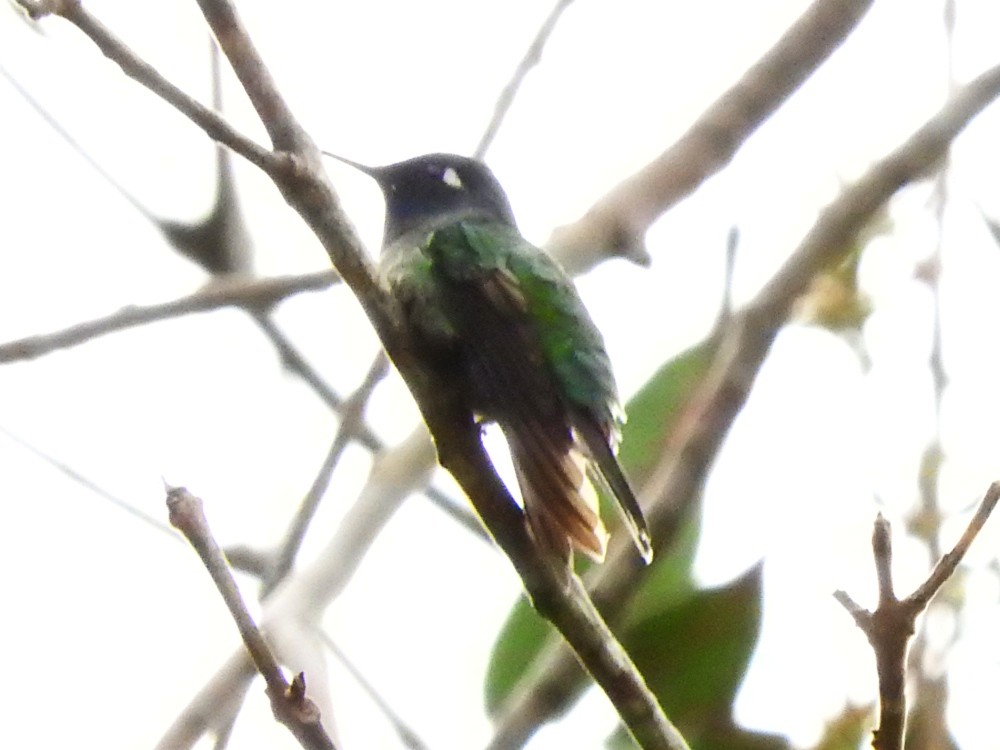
<point>506,327</point>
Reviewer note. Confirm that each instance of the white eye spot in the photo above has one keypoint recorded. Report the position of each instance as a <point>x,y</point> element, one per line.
<point>450,177</point>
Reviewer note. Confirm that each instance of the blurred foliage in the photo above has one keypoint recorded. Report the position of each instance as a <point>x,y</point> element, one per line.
<point>694,655</point>
<point>654,410</point>
<point>927,724</point>
<point>517,646</point>
<point>993,226</point>
<point>848,730</point>
<point>834,298</point>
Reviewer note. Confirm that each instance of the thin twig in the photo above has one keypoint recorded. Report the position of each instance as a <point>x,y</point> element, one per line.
<point>950,560</point>
<point>296,361</point>
<point>893,622</point>
<point>288,700</point>
<point>363,434</point>
<point>67,470</point>
<point>63,133</point>
<point>617,223</point>
<point>351,424</point>
<point>234,292</point>
<point>531,58</point>
<point>404,731</point>
<point>728,275</point>
<point>456,509</point>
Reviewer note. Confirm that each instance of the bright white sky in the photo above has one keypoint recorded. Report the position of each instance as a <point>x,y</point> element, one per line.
<point>111,626</point>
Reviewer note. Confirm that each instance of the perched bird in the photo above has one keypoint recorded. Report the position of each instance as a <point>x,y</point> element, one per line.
<point>507,327</point>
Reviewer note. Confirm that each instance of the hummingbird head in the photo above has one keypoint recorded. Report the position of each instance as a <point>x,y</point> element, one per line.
<point>428,189</point>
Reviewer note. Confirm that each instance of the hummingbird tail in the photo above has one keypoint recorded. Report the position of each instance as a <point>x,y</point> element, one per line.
<point>560,505</point>
<point>609,473</point>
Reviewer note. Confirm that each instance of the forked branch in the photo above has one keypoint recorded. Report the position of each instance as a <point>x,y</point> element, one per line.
<point>288,699</point>
<point>890,626</point>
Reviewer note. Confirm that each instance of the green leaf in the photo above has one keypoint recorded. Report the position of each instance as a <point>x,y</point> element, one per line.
<point>667,582</point>
<point>517,646</point>
<point>728,737</point>
<point>737,738</point>
<point>694,655</point>
<point>848,730</point>
<point>653,413</point>
<point>834,298</point>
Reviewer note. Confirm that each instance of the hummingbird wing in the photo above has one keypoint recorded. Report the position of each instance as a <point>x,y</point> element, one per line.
<point>508,381</point>
<point>537,365</point>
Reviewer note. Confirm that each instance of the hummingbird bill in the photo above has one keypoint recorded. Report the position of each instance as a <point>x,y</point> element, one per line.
<point>506,327</point>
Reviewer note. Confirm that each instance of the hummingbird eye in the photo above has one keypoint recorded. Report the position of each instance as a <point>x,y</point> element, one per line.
<point>450,178</point>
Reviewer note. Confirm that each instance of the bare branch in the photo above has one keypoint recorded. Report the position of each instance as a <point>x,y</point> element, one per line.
<point>531,58</point>
<point>617,223</point>
<point>288,700</point>
<point>249,294</point>
<point>949,561</point>
<point>893,622</point>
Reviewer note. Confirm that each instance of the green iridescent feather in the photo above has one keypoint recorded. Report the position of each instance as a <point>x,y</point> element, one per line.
<point>469,250</point>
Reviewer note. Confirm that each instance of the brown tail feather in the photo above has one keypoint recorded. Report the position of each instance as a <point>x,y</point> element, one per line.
<point>554,489</point>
